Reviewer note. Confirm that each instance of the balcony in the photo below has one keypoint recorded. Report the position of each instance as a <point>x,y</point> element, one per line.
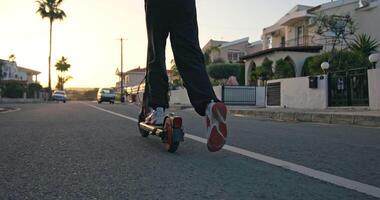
<point>303,41</point>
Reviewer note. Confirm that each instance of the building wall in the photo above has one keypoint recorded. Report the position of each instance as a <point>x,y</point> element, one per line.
<point>254,48</point>
<point>365,19</point>
<point>133,79</point>
<point>374,88</point>
<point>223,54</point>
<point>295,93</point>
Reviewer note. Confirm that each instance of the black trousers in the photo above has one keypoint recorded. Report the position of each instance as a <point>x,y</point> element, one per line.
<point>177,18</point>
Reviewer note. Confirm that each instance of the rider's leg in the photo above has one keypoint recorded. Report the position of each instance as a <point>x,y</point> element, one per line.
<point>157,28</point>
<point>190,62</point>
<point>189,57</point>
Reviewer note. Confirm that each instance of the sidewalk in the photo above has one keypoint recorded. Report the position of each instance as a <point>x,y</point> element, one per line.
<point>347,116</point>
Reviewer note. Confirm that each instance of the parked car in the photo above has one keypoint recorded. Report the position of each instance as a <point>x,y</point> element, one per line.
<point>59,96</point>
<point>106,95</point>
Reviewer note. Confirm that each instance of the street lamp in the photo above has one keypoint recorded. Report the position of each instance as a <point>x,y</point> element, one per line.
<point>325,67</point>
<point>374,59</point>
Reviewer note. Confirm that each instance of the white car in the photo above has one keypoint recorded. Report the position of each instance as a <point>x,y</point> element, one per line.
<point>59,96</point>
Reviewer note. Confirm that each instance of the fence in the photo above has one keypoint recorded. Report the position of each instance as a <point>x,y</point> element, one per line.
<point>239,95</point>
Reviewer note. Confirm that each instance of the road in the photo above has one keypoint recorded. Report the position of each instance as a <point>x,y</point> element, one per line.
<point>82,150</point>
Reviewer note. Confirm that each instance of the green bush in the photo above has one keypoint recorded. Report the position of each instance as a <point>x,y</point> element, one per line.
<point>342,60</point>
<point>33,88</point>
<point>284,70</point>
<point>265,71</point>
<point>13,89</point>
<point>241,78</point>
<point>224,71</point>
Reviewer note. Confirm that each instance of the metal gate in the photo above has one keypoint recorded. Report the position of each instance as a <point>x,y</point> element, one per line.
<point>349,88</point>
<point>239,95</point>
<point>274,94</point>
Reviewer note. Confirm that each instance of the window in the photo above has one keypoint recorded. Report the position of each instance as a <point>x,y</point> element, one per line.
<point>299,35</point>
<point>234,55</point>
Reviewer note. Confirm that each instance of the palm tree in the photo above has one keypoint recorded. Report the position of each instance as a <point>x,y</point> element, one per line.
<point>50,9</point>
<point>364,44</point>
<point>62,66</point>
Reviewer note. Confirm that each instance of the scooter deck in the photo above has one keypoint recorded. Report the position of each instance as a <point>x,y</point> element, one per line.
<point>155,130</point>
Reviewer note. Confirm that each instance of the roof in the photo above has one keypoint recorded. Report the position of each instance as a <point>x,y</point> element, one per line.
<point>297,12</point>
<point>28,70</point>
<point>235,42</point>
<point>307,49</point>
<point>331,5</point>
<point>136,70</point>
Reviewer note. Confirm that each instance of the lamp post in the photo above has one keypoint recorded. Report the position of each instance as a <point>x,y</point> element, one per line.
<point>325,67</point>
<point>374,59</point>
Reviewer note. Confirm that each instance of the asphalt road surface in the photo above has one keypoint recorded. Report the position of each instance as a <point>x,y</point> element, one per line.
<point>82,150</point>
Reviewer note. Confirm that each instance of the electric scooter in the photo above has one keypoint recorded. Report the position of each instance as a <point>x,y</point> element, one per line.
<point>171,132</point>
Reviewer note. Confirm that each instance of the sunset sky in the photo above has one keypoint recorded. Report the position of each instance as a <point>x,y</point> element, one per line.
<point>88,36</point>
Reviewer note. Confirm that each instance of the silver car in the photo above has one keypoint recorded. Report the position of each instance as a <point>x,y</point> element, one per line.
<point>59,96</point>
<point>106,95</point>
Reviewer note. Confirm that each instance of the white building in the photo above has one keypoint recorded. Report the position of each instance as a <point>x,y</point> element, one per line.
<point>293,37</point>
<point>10,71</point>
<point>231,51</point>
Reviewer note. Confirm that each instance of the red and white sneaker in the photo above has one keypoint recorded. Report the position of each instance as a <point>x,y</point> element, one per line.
<point>156,118</point>
<point>216,114</point>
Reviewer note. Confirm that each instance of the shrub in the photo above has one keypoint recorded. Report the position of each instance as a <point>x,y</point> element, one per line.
<point>241,78</point>
<point>342,60</point>
<point>224,71</point>
<point>284,69</point>
<point>33,88</point>
<point>265,71</point>
<point>13,89</point>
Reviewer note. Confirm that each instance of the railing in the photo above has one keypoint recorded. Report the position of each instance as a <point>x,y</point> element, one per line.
<point>303,41</point>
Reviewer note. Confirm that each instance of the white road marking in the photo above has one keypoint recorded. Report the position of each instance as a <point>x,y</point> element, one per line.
<point>10,111</point>
<point>323,176</point>
<point>113,113</point>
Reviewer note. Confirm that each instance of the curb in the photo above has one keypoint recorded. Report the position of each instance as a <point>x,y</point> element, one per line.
<point>325,118</point>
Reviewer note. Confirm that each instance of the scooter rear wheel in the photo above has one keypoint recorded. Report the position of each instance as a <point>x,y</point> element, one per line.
<point>170,145</point>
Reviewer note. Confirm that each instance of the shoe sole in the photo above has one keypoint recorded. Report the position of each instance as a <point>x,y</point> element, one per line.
<point>217,138</point>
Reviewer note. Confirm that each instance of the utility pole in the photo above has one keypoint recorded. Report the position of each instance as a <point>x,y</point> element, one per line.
<point>121,71</point>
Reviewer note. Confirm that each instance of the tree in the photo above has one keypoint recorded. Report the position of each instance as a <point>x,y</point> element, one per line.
<point>208,52</point>
<point>265,71</point>
<point>364,44</point>
<point>33,90</point>
<point>284,69</point>
<point>61,82</point>
<point>223,71</point>
<point>12,58</point>
<point>50,9</point>
<point>335,29</point>
<point>62,66</point>
<point>344,60</point>
<point>173,67</point>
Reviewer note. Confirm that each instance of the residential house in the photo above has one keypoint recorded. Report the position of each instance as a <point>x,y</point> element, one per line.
<point>231,51</point>
<point>135,76</point>
<point>293,37</point>
<point>10,71</point>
